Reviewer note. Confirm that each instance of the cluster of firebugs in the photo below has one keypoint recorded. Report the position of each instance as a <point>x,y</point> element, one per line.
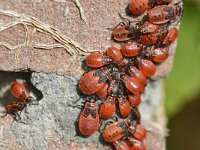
<point>18,91</point>
<point>119,76</point>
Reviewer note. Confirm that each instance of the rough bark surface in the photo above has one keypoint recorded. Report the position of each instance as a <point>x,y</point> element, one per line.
<point>50,124</point>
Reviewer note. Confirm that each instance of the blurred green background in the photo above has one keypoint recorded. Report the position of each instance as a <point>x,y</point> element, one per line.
<point>183,84</point>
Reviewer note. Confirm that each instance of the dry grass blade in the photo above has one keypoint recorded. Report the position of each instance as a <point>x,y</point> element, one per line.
<point>63,41</point>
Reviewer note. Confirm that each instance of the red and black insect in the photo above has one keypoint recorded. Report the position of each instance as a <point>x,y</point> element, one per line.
<point>115,131</point>
<point>120,145</point>
<point>116,55</point>
<point>97,60</point>
<point>157,55</point>
<point>121,33</point>
<point>171,36</point>
<point>134,99</point>
<point>131,83</point>
<point>94,80</point>
<point>147,67</point>
<point>164,14</point>
<point>131,49</point>
<point>108,107</point>
<point>124,106</point>
<point>147,28</point>
<point>137,7</point>
<point>18,90</point>
<point>14,109</point>
<point>125,31</point>
<point>136,73</point>
<point>111,86</point>
<point>88,121</point>
<point>104,91</point>
<point>153,38</point>
<point>138,131</point>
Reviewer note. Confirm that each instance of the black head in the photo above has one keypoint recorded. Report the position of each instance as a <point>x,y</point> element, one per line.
<point>21,106</point>
<point>30,99</point>
<point>90,98</point>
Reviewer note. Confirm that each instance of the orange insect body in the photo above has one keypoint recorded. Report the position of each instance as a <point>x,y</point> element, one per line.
<point>134,99</point>
<point>147,67</point>
<point>138,131</point>
<point>158,55</point>
<point>104,91</point>
<point>18,90</point>
<point>115,131</point>
<point>97,60</point>
<point>107,109</point>
<point>89,119</point>
<point>153,38</point>
<point>137,7</point>
<point>94,80</point>
<point>131,49</point>
<point>131,83</point>
<point>134,72</point>
<point>148,27</point>
<point>171,36</point>
<point>13,109</point>
<point>124,106</point>
<point>116,55</point>
<point>163,14</point>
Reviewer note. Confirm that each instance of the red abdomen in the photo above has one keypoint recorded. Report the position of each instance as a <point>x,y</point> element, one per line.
<point>107,108</point>
<point>97,60</point>
<point>171,36</point>
<point>88,125</point>
<point>147,67</point>
<point>139,6</point>
<point>152,39</point>
<point>138,131</point>
<point>148,27</point>
<point>88,122</point>
<point>161,14</point>
<point>93,81</point>
<point>116,55</point>
<point>124,106</point>
<point>132,84</point>
<point>158,55</point>
<point>18,90</point>
<point>131,49</point>
<point>104,91</point>
<point>134,72</point>
<point>114,131</point>
<point>134,99</point>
